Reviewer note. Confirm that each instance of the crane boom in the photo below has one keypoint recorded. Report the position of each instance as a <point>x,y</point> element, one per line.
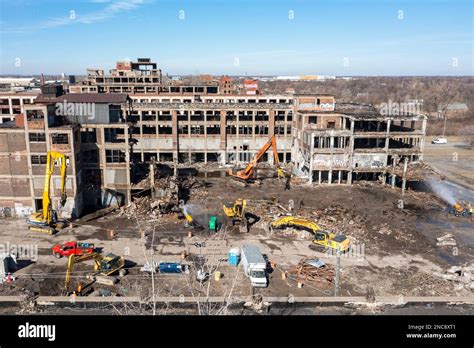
<point>247,173</point>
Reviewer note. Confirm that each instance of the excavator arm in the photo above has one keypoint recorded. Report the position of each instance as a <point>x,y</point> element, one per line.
<point>247,173</point>
<point>53,159</point>
<point>73,259</point>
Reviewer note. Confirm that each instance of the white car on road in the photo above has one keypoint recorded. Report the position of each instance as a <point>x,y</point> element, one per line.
<point>440,140</point>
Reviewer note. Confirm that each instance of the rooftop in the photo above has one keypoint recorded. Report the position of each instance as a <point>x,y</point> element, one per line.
<point>113,98</point>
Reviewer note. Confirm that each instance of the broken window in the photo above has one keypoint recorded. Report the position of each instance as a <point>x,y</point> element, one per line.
<point>60,138</point>
<point>231,130</point>
<point>261,116</point>
<point>331,125</point>
<point>165,130</point>
<point>280,116</point>
<point>38,159</point>
<point>213,130</point>
<point>37,137</point>
<point>280,130</point>
<point>114,156</point>
<point>261,129</point>
<point>90,156</point>
<point>183,130</point>
<point>183,116</point>
<point>245,129</point>
<point>148,130</point>
<point>213,116</point>
<point>114,135</point>
<point>312,119</point>
<point>197,129</point>
<point>88,135</point>
<point>197,116</point>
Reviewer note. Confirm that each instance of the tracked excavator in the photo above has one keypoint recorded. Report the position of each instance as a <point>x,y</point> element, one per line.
<point>249,171</point>
<point>46,220</point>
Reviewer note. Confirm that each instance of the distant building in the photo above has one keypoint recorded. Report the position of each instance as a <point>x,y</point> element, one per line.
<point>250,87</point>
<point>454,110</point>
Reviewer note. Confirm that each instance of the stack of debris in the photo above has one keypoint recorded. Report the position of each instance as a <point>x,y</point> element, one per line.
<point>167,195</point>
<point>313,270</point>
<point>462,275</point>
<point>341,220</point>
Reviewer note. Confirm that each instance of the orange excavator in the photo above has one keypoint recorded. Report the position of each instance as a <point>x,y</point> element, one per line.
<point>249,171</point>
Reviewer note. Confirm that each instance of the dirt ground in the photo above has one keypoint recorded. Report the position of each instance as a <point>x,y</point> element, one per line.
<point>396,252</point>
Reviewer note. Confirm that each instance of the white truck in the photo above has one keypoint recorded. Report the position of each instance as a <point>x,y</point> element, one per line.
<point>255,266</point>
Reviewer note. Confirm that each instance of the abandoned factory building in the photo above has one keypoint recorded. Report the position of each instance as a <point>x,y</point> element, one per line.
<point>108,125</point>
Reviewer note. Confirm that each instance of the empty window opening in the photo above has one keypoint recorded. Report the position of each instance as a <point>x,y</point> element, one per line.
<point>37,137</point>
<point>115,156</point>
<point>59,138</point>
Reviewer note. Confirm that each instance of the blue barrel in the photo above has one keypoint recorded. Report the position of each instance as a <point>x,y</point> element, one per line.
<point>170,267</point>
<point>234,257</point>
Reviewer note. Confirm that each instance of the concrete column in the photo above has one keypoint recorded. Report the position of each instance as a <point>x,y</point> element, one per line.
<point>174,125</point>
<point>422,140</point>
<point>127,160</point>
<point>223,144</point>
<point>404,182</point>
<point>271,123</point>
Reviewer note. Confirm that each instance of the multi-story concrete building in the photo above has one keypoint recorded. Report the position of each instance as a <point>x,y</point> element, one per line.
<point>355,142</point>
<point>108,135</point>
<point>98,171</point>
<point>12,102</point>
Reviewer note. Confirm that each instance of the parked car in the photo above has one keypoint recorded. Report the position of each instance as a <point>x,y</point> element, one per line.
<point>440,140</point>
<point>72,248</point>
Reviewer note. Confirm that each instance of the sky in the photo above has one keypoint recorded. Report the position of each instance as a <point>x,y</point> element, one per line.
<point>239,37</point>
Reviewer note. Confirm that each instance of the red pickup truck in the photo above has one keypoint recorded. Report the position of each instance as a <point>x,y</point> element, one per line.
<point>72,248</point>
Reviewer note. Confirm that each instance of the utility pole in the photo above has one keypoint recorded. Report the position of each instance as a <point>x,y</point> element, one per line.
<point>152,177</point>
<point>153,271</point>
<point>404,182</point>
<point>444,126</point>
<point>338,270</point>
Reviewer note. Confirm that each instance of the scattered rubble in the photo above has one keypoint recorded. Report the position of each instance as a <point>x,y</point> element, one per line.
<point>446,240</point>
<point>307,271</point>
<point>463,275</point>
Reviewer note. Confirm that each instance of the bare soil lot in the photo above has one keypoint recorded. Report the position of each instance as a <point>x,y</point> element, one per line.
<point>396,247</point>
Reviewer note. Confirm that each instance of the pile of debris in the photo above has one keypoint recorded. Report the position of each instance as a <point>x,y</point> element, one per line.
<point>341,220</point>
<point>463,275</point>
<point>167,193</point>
<point>313,270</point>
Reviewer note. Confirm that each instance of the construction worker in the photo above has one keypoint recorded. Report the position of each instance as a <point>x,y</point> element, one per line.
<point>281,173</point>
<point>287,184</point>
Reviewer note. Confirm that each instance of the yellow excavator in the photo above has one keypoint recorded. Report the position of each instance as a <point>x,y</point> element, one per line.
<point>103,267</point>
<point>249,171</point>
<point>236,212</point>
<point>323,238</point>
<point>46,220</point>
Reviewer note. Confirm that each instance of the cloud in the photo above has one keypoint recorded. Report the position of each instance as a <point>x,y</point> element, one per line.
<point>111,9</point>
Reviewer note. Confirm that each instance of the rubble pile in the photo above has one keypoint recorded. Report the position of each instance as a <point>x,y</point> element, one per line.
<point>462,275</point>
<point>167,196</point>
<point>304,271</point>
<point>338,219</point>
